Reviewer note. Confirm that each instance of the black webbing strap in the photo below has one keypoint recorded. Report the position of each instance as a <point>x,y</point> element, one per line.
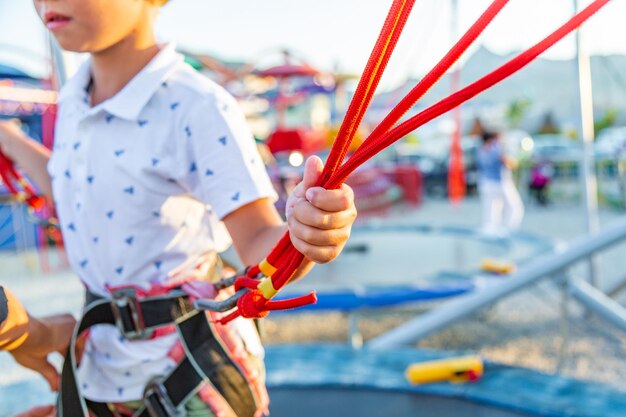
<point>205,358</point>
<point>206,361</point>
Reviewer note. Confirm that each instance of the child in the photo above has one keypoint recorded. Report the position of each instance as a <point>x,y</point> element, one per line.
<point>153,172</point>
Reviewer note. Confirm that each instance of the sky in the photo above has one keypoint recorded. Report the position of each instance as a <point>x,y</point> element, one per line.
<point>336,33</point>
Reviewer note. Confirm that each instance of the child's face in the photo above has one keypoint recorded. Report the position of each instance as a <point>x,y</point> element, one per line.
<point>94,25</point>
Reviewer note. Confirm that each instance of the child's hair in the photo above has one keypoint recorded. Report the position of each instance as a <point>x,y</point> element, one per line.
<point>489,135</point>
<point>159,2</point>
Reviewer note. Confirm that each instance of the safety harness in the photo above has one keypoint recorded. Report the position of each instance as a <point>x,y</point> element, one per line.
<point>206,360</point>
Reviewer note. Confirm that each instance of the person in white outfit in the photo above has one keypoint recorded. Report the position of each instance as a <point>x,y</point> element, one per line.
<point>503,209</point>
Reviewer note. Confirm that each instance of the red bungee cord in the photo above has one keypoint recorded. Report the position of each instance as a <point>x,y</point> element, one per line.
<point>253,294</point>
<point>13,180</point>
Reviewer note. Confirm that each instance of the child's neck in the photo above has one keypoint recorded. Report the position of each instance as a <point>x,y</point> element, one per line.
<point>114,67</point>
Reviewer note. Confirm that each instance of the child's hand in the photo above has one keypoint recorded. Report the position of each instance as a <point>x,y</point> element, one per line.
<point>46,335</point>
<point>319,220</point>
<point>9,132</point>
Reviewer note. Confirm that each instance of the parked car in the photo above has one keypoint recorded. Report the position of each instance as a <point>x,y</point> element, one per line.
<point>555,148</point>
<point>610,143</point>
<point>434,165</point>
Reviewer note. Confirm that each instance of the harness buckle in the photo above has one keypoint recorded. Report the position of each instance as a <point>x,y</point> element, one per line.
<point>128,315</point>
<point>158,403</point>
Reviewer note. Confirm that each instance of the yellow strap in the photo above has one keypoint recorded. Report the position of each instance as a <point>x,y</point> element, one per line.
<point>16,343</point>
<point>267,288</point>
<point>13,332</point>
<point>267,268</point>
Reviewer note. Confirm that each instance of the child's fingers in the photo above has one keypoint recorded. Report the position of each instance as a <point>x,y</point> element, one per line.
<point>331,200</point>
<point>317,254</point>
<point>304,212</point>
<point>318,237</point>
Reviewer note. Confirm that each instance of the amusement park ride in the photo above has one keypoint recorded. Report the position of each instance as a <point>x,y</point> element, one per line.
<point>33,103</point>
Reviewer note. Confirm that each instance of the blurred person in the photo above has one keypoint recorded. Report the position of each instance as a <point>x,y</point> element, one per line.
<point>153,172</point>
<point>503,209</point>
<point>540,177</point>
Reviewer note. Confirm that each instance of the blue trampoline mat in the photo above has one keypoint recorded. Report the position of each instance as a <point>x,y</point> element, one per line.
<point>372,297</point>
<point>296,373</point>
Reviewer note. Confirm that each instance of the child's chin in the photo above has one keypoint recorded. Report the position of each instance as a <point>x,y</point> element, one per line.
<point>74,47</point>
<point>72,43</point>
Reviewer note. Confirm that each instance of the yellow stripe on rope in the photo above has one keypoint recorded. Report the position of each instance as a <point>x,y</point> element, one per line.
<point>267,268</point>
<point>266,287</point>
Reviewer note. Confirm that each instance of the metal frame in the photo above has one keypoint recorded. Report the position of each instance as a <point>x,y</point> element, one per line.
<point>552,266</point>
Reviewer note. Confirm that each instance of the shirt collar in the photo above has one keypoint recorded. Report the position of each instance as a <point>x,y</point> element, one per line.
<point>128,103</point>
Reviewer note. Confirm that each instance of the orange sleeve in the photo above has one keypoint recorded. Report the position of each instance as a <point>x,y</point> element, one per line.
<point>14,329</point>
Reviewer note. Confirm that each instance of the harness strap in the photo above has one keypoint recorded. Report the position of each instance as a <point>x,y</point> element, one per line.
<point>206,359</point>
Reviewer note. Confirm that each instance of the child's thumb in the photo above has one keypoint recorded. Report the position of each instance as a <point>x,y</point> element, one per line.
<point>312,170</point>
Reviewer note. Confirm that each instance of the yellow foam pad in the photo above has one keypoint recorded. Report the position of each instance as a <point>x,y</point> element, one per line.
<point>497,267</point>
<point>460,369</point>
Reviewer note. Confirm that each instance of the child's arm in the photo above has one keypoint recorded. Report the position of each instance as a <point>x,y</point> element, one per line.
<point>319,222</point>
<point>28,154</point>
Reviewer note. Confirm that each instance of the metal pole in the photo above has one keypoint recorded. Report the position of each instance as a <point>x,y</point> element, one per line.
<point>586,167</point>
<point>599,303</point>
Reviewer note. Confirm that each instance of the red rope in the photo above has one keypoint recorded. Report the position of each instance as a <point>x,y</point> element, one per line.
<point>376,64</point>
<point>364,153</point>
<point>437,72</point>
<point>12,179</point>
<point>284,256</point>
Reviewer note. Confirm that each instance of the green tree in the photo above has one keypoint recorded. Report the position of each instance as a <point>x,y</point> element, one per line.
<point>516,111</point>
<point>607,120</point>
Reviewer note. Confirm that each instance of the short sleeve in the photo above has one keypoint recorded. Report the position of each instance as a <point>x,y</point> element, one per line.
<point>224,168</point>
<point>13,328</point>
<point>4,308</point>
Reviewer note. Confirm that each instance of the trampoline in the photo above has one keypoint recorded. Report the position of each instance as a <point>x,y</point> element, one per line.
<point>342,382</point>
<point>422,263</point>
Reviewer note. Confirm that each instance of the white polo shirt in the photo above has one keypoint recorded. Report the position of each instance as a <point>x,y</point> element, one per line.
<point>140,183</point>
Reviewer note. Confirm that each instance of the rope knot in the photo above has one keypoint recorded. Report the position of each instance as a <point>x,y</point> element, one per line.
<point>252,305</point>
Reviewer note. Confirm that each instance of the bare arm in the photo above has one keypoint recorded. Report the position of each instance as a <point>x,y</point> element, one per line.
<point>28,154</point>
<point>509,162</point>
<point>255,229</point>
